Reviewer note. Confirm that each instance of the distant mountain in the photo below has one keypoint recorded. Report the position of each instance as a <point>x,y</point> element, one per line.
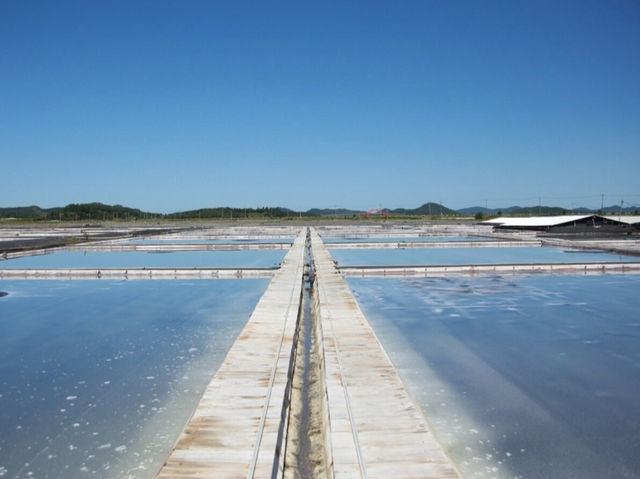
<point>542,210</point>
<point>426,209</point>
<point>616,209</point>
<point>99,211</point>
<point>538,211</point>
<point>76,211</point>
<point>556,210</point>
<point>331,212</point>
<point>510,209</point>
<point>472,210</point>
<point>29,212</point>
<point>228,212</point>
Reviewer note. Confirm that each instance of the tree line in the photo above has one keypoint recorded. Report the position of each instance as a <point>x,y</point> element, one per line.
<point>100,211</point>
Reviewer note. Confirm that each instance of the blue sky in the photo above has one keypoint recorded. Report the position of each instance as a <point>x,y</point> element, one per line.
<point>172,105</point>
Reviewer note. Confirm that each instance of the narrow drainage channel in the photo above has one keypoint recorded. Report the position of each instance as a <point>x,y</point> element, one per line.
<point>306,455</point>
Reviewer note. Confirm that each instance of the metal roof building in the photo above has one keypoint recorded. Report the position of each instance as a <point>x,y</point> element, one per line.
<point>567,223</point>
<point>630,220</point>
<point>535,222</point>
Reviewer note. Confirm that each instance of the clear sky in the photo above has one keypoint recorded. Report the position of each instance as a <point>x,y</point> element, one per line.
<point>174,105</point>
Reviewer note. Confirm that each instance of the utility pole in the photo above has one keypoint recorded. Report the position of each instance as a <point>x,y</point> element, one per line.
<point>539,205</point>
<point>602,202</point>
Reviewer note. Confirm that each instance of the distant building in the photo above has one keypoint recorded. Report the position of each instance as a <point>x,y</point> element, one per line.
<point>577,224</point>
<point>375,212</point>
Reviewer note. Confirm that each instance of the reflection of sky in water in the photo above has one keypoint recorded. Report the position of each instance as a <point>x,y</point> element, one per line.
<point>425,239</point>
<point>205,241</point>
<point>97,379</point>
<point>147,259</point>
<point>438,256</point>
<point>533,376</point>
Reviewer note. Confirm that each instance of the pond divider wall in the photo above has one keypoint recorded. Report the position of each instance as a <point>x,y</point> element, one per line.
<point>98,247</point>
<point>139,273</point>
<point>569,268</point>
<point>434,244</point>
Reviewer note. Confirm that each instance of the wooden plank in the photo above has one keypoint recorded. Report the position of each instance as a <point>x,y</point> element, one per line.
<point>234,430</point>
<point>375,430</point>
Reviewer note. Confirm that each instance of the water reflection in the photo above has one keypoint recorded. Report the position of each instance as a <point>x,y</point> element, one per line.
<point>396,239</point>
<point>531,376</point>
<point>144,259</point>
<point>98,378</point>
<point>186,240</point>
<point>442,256</point>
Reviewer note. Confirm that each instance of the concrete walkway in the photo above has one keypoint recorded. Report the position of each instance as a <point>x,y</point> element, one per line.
<point>375,430</point>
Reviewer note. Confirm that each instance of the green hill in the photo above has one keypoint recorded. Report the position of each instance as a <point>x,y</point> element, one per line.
<point>100,211</point>
<point>426,209</point>
<point>331,212</point>
<point>27,212</point>
<point>539,211</point>
<point>228,212</point>
<point>76,211</point>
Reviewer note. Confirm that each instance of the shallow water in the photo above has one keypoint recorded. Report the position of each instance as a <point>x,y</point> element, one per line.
<point>531,376</point>
<point>396,239</point>
<point>483,255</point>
<point>186,240</point>
<point>148,259</point>
<point>97,379</point>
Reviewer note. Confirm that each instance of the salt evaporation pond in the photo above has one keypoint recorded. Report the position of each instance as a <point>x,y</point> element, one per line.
<point>528,376</point>
<point>186,240</point>
<point>98,378</point>
<point>396,239</point>
<point>472,255</point>
<point>148,259</point>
